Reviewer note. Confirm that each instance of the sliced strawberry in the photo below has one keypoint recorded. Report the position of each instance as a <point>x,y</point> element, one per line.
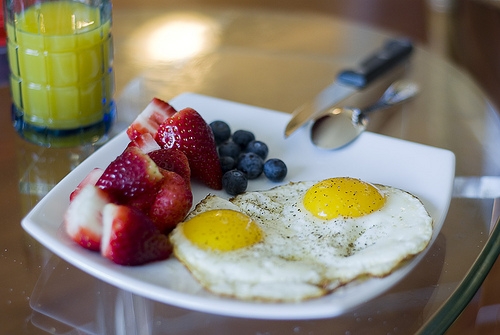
<point>148,121</point>
<point>145,142</point>
<point>172,160</point>
<point>83,218</point>
<point>172,203</point>
<point>90,179</point>
<point>141,202</point>
<point>131,175</point>
<point>131,238</point>
<point>187,131</point>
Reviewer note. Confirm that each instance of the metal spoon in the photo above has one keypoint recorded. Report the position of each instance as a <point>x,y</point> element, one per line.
<point>341,126</point>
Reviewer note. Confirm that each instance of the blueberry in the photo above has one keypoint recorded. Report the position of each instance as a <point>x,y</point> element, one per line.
<point>275,169</point>
<point>227,163</point>
<point>258,147</point>
<point>229,148</point>
<point>251,165</point>
<point>221,130</point>
<point>234,182</point>
<point>243,137</point>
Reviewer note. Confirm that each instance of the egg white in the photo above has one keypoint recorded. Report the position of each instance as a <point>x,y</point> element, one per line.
<point>301,256</point>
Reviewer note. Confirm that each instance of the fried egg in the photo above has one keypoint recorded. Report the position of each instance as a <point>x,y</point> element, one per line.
<point>300,240</point>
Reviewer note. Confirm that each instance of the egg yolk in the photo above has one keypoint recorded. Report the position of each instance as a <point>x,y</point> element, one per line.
<point>223,230</point>
<point>346,197</point>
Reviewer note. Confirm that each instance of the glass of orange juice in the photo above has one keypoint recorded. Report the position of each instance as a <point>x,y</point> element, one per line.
<point>61,76</point>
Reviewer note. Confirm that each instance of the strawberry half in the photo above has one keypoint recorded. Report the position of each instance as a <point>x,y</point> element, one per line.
<point>187,131</point>
<point>172,160</point>
<point>83,218</point>
<point>133,175</point>
<point>148,121</point>
<point>145,142</point>
<point>172,202</point>
<point>131,238</point>
<point>89,179</point>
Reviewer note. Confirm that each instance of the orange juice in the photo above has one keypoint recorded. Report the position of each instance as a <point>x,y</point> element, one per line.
<point>60,56</point>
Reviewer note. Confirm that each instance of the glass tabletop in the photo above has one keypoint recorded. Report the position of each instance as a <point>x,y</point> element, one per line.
<point>276,60</point>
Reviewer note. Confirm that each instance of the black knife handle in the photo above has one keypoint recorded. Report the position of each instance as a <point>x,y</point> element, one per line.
<point>392,53</point>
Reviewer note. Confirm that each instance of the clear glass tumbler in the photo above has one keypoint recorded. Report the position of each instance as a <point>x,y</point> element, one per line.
<point>61,75</point>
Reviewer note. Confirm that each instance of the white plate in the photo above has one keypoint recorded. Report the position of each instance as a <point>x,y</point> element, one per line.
<point>425,171</point>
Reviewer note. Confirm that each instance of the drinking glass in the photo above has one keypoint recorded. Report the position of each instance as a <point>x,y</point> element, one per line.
<point>61,75</point>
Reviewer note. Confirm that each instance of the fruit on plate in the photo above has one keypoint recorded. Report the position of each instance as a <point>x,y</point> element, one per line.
<point>258,147</point>
<point>145,142</point>
<point>131,238</point>
<point>275,169</point>
<point>148,121</point>
<point>172,202</point>
<point>133,176</point>
<point>187,131</point>
<point>221,130</point>
<point>82,219</point>
<point>243,158</point>
<point>172,160</point>
<point>229,149</point>
<point>243,137</point>
<point>127,209</point>
<point>149,201</point>
<point>91,179</point>
<point>234,182</point>
<point>251,164</point>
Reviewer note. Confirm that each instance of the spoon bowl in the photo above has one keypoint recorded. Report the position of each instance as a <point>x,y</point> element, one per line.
<point>340,126</point>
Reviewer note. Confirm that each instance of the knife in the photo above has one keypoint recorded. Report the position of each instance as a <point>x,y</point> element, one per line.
<point>349,82</point>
